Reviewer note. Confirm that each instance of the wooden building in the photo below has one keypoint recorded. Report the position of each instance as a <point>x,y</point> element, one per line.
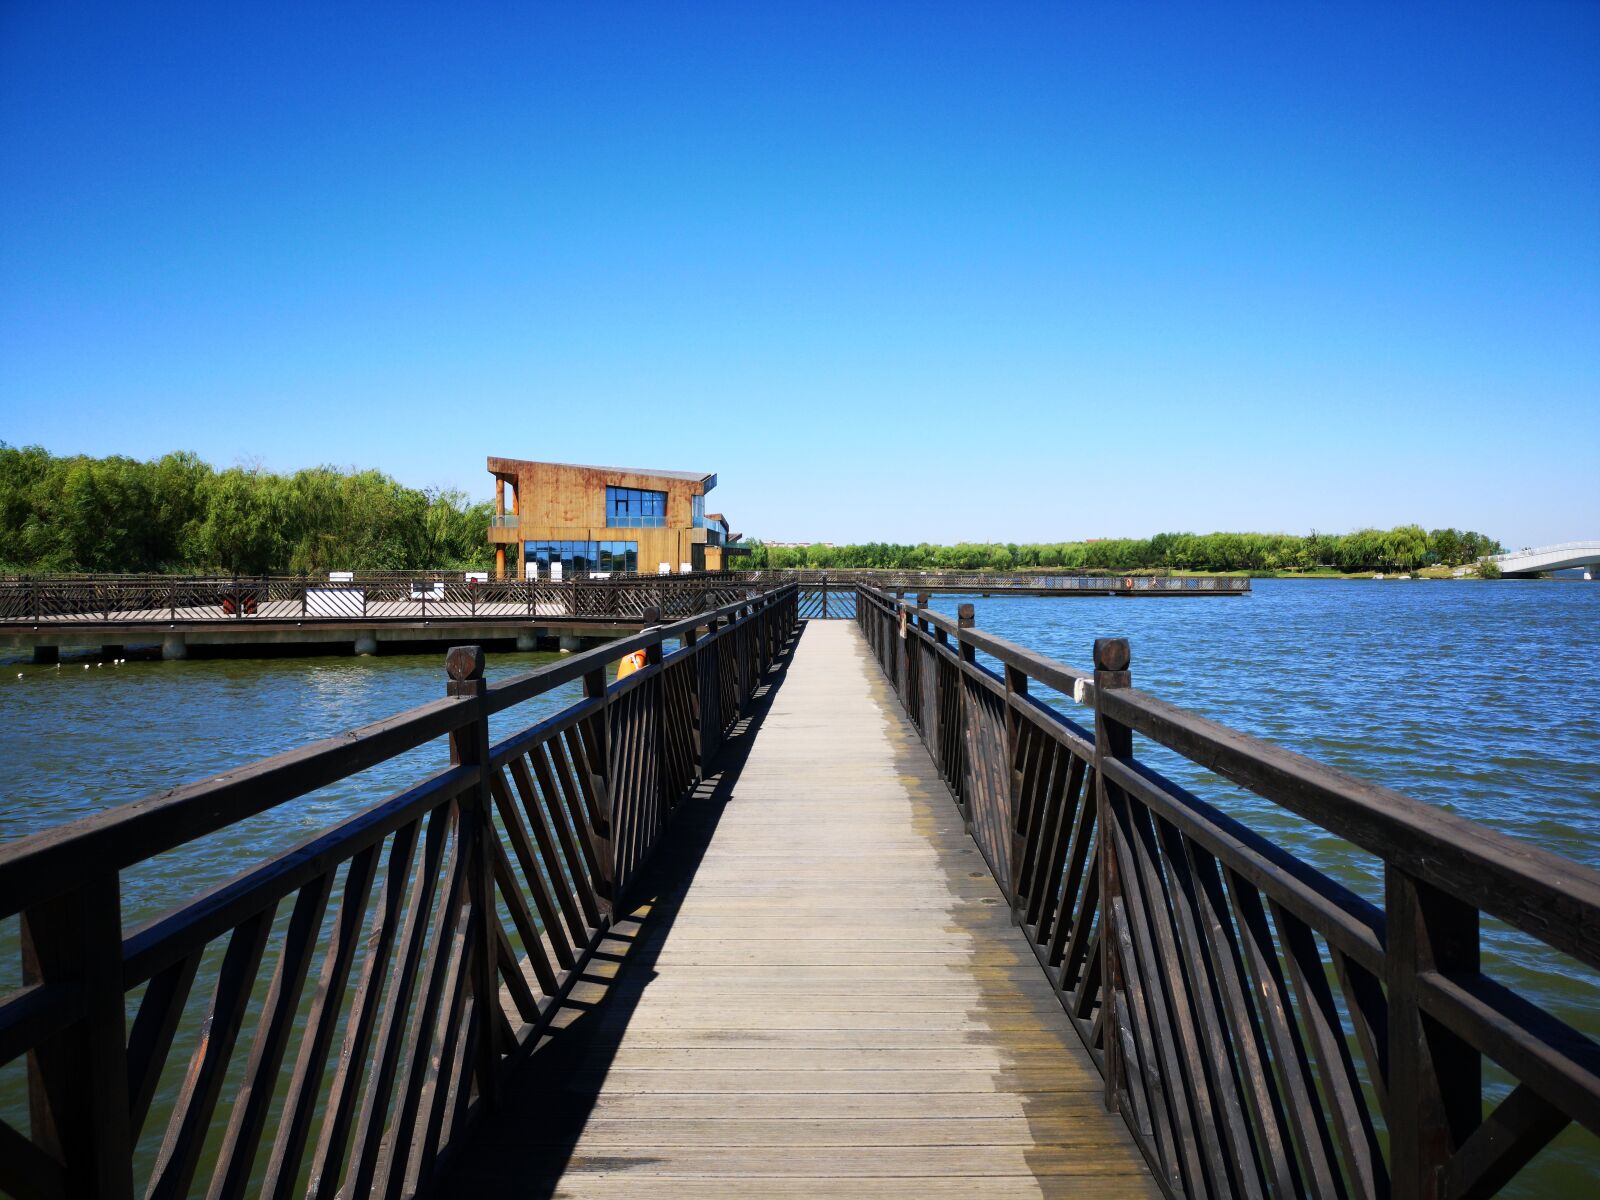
<point>601,520</point>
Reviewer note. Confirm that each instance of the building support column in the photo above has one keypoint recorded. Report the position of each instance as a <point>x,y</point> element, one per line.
<point>499,562</point>
<point>174,648</point>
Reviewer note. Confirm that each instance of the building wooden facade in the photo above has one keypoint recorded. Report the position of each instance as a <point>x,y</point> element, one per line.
<point>598,519</point>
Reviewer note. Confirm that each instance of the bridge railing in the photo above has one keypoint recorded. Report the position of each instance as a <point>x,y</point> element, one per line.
<point>151,599</point>
<point>1262,1028</point>
<point>443,925</point>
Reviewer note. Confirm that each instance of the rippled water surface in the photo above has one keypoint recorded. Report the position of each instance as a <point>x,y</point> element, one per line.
<point>1483,697</point>
<point>79,738</point>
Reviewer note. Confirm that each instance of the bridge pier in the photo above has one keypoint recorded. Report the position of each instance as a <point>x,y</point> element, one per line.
<point>570,642</point>
<point>45,655</point>
<point>527,639</point>
<point>174,647</point>
<point>367,642</point>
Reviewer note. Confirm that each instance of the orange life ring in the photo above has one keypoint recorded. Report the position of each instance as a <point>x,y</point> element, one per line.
<point>630,663</point>
<point>1127,583</point>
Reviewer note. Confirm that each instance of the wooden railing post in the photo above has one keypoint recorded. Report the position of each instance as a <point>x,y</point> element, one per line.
<point>469,746</point>
<point>965,619</point>
<point>1435,1077</point>
<point>1111,740</point>
<point>691,640</point>
<point>78,1079</point>
<point>596,739</point>
<point>1017,776</point>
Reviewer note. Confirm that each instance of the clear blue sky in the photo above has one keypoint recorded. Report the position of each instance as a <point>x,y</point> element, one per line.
<point>896,272</point>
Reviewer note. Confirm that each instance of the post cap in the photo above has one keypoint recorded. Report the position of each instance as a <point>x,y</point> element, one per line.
<point>923,598</point>
<point>464,662</point>
<point>1111,654</point>
<point>965,613</point>
<point>652,615</point>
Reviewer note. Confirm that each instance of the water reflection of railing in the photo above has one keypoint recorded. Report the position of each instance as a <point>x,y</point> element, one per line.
<point>444,926</point>
<point>1263,1029</point>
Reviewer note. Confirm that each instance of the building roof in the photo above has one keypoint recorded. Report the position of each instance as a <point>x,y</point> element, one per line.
<point>708,478</point>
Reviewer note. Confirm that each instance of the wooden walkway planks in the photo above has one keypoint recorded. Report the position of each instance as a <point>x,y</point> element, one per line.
<point>822,996</point>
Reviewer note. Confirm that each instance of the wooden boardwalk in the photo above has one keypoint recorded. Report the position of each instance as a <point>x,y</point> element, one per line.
<point>820,994</point>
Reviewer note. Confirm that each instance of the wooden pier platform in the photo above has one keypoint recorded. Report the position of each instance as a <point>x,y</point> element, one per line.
<point>819,992</point>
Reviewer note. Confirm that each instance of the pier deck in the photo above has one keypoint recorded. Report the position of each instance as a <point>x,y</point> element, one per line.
<point>820,993</point>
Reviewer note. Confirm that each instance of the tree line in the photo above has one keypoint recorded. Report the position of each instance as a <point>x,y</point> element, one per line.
<point>177,513</point>
<point>1403,548</point>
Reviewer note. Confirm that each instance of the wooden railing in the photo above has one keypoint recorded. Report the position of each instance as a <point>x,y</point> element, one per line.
<point>444,926</point>
<point>1263,1029</point>
<point>169,599</point>
<point>889,579</point>
<point>832,594</point>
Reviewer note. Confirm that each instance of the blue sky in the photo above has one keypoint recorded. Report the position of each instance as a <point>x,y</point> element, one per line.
<point>911,272</point>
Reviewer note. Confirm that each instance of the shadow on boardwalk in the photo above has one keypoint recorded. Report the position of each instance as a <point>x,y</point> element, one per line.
<point>523,1148</point>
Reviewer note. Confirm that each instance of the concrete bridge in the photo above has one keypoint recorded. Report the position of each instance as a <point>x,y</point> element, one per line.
<point>1560,557</point>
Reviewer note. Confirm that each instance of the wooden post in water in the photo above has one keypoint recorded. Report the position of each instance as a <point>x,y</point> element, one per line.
<point>469,746</point>
<point>1111,740</point>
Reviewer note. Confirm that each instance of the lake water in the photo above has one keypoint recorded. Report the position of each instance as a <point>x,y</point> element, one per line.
<point>1483,697</point>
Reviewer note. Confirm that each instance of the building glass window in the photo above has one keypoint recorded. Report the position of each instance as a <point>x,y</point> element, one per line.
<point>576,558</point>
<point>633,508</point>
<point>619,556</point>
<point>583,557</point>
<point>698,505</point>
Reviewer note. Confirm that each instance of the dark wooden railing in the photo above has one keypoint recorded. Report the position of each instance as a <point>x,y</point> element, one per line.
<point>832,594</point>
<point>1102,583</point>
<point>1263,1029</point>
<point>169,599</point>
<point>444,926</point>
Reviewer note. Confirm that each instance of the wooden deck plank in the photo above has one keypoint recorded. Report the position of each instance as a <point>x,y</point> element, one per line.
<point>829,999</point>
